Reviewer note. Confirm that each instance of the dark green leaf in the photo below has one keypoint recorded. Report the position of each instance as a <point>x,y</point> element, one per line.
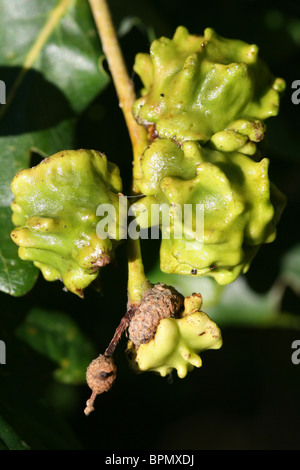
<point>239,305</point>
<point>29,416</point>
<point>16,276</point>
<point>57,39</point>
<point>9,439</point>
<point>236,303</point>
<point>49,61</point>
<point>56,336</point>
<point>187,285</point>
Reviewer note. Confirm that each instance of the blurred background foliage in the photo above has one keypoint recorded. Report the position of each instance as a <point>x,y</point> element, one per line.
<point>246,395</point>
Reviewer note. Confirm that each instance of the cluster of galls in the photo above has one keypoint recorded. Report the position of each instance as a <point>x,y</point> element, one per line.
<point>205,99</point>
<point>204,102</point>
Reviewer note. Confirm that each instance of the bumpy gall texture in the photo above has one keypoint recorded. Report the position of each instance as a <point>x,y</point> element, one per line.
<point>197,86</point>
<point>55,213</point>
<point>177,341</point>
<point>239,206</point>
<point>205,99</point>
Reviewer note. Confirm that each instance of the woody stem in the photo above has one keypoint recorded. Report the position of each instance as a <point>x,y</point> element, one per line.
<point>137,282</point>
<point>123,84</point>
<point>119,331</point>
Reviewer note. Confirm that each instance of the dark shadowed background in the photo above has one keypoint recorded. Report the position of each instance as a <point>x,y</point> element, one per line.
<point>245,395</point>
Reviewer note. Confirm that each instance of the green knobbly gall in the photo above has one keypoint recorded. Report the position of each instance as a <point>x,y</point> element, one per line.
<point>196,86</point>
<point>177,341</point>
<point>240,207</point>
<point>54,211</point>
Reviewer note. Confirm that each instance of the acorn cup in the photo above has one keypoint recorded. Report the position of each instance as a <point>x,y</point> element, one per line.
<point>160,301</point>
<point>55,211</point>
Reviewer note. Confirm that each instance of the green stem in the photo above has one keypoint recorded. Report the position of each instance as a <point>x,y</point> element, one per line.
<point>123,84</point>
<point>137,281</point>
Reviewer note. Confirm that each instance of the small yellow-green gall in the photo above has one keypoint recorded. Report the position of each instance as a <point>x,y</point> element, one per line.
<point>178,342</point>
<point>55,213</point>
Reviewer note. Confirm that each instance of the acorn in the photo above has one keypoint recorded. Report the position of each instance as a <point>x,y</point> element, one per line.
<point>100,376</point>
<point>160,301</point>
